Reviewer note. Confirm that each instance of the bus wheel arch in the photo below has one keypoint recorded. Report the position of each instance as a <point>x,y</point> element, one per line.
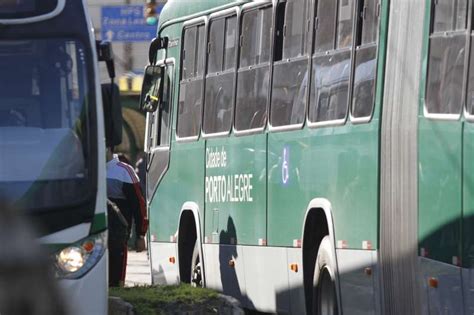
<point>317,226</point>
<point>188,238</point>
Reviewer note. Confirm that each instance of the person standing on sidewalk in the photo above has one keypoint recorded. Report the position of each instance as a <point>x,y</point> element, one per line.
<point>123,189</point>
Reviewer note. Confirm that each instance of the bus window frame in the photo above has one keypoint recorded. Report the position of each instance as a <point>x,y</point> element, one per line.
<point>444,116</point>
<point>470,27</point>
<point>433,34</point>
<point>335,48</point>
<point>227,13</point>
<point>368,119</point>
<point>156,146</point>
<point>202,20</point>
<point>306,55</point>
<point>244,9</point>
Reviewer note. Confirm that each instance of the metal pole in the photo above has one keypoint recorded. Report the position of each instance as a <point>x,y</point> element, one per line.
<point>128,51</point>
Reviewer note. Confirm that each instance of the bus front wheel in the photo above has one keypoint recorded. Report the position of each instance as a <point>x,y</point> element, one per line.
<point>324,284</point>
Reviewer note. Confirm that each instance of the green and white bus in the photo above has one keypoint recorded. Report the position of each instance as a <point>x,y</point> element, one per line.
<point>314,156</point>
<point>52,148</point>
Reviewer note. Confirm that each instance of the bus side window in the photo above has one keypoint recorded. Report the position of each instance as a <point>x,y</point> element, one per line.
<point>253,77</point>
<point>290,73</point>
<point>220,76</point>
<point>331,69</point>
<point>446,60</point>
<point>365,59</point>
<point>191,84</point>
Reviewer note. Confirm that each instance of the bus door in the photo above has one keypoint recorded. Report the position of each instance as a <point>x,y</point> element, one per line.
<point>158,128</point>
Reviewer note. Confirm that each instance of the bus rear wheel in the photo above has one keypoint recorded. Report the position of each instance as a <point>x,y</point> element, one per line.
<point>196,267</point>
<point>324,284</point>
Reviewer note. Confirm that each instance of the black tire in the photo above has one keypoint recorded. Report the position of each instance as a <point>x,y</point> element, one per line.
<point>196,267</point>
<point>324,284</point>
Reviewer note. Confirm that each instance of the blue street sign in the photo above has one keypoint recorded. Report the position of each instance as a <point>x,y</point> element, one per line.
<point>126,24</point>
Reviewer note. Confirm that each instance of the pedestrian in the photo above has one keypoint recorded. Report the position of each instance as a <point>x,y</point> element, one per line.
<point>140,169</point>
<point>123,190</point>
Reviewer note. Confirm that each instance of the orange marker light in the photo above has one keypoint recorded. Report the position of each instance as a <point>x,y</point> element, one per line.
<point>172,260</point>
<point>294,267</point>
<point>88,246</point>
<point>433,282</point>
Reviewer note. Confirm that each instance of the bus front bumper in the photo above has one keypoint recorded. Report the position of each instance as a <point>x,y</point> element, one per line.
<point>89,294</point>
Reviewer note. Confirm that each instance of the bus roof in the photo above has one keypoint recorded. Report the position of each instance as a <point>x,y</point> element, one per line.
<point>175,9</point>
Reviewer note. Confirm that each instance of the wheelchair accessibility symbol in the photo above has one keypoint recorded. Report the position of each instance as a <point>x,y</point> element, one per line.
<point>285,173</point>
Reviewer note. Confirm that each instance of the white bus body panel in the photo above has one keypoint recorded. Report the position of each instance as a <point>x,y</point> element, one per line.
<point>295,281</point>
<point>164,272</point>
<point>260,278</point>
<point>468,285</point>
<point>447,298</point>
<point>69,235</point>
<point>266,278</point>
<point>89,294</point>
<point>225,278</point>
<point>358,289</point>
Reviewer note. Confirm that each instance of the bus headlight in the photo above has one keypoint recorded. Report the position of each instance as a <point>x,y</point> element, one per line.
<point>77,259</point>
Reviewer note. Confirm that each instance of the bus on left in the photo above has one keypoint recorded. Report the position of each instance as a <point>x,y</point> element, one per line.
<point>52,148</point>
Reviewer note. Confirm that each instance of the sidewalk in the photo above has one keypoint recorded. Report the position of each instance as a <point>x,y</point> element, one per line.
<point>138,269</point>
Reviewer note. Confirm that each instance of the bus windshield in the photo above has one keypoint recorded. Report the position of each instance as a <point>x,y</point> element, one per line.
<point>44,101</point>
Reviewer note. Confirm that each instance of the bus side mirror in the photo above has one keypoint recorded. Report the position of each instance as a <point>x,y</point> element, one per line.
<point>112,114</point>
<point>156,44</point>
<point>152,88</point>
<point>105,53</point>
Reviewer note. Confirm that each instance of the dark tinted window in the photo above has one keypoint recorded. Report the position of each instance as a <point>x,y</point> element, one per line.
<point>201,50</point>
<point>220,85</point>
<point>449,15</point>
<point>470,87</point>
<point>364,81</point>
<point>331,71</point>
<point>325,33</point>
<point>190,92</point>
<point>368,15</point>
<point>330,87</point>
<point>445,74</point>
<point>216,46</point>
<point>218,103</point>
<point>295,29</point>
<point>47,99</point>
<point>189,110</point>
<point>344,26</point>
<point>363,94</point>
<point>252,98</point>
<point>290,80</point>
<point>15,9</point>
<point>189,53</point>
<point>253,83</point>
<point>290,75</point>
<point>255,37</point>
<point>230,42</point>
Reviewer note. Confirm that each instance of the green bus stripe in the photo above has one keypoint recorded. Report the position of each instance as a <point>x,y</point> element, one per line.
<point>99,223</point>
